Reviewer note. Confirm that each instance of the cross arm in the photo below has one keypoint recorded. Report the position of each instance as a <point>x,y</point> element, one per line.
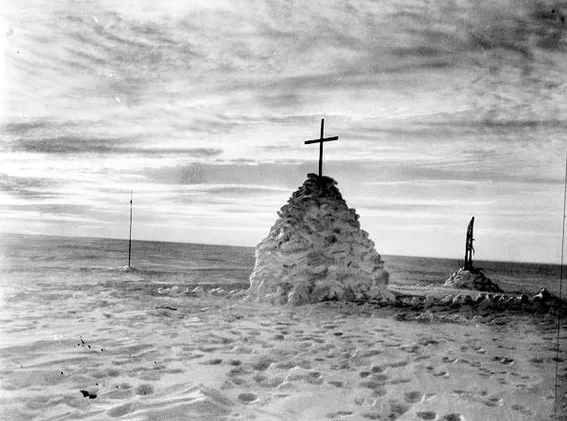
<point>323,139</point>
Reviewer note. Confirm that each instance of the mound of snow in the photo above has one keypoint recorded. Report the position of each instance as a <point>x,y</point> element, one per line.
<point>316,251</point>
<point>126,269</point>
<point>472,279</point>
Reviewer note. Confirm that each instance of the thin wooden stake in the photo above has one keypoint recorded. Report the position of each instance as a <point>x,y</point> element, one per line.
<point>130,239</point>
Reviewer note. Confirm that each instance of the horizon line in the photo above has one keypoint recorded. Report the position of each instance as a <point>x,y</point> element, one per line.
<point>253,247</point>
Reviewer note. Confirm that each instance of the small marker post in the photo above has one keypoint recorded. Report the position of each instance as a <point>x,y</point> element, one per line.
<point>130,238</point>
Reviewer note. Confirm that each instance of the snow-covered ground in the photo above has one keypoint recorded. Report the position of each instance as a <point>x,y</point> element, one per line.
<point>81,340</point>
<point>102,353</point>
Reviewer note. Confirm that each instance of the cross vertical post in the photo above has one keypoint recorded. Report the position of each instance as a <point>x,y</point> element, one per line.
<point>321,148</point>
<point>320,142</point>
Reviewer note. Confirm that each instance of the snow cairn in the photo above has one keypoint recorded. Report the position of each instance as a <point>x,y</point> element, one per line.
<point>316,251</point>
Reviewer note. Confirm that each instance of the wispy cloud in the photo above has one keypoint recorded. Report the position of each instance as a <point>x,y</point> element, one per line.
<point>73,145</point>
<point>27,186</point>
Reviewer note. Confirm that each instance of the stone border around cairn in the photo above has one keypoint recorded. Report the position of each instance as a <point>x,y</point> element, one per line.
<point>541,302</point>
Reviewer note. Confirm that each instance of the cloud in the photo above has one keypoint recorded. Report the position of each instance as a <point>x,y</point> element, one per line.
<point>76,145</point>
<point>76,137</point>
<point>520,27</point>
<point>122,55</point>
<point>472,166</point>
<point>263,174</point>
<point>282,57</point>
<point>28,187</point>
<point>69,145</point>
<point>51,208</point>
<point>24,128</point>
<point>238,190</point>
<point>454,30</point>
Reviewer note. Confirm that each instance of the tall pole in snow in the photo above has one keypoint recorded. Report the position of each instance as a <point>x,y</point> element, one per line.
<point>321,148</point>
<point>558,326</point>
<point>130,239</point>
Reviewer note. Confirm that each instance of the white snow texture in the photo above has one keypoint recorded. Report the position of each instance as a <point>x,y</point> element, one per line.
<point>316,251</point>
<point>472,278</point>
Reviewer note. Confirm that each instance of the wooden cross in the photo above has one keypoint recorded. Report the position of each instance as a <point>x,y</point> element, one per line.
<point>320,142</point>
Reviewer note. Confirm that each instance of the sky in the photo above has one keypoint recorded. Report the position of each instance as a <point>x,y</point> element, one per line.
<point>444,109</point>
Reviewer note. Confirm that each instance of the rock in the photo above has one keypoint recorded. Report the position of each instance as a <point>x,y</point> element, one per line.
<point>461,300</point>
<point>429,301</point>
<point>446,300</point>
<point>544,300</point>
<point>479,298</point>
<point>501,301</point>
<point>508,302</point>
<point>471,279</point>
<point>457,300</point>
<point>543,295</point>
<point>486,303</point>
<point>317,251</point>
<point>404,300</point>
<point>416,302</point>
<point>523,299</point>
<point>494,297</point>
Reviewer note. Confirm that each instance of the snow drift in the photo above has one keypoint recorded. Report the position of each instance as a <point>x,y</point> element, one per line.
<point>472,278</point>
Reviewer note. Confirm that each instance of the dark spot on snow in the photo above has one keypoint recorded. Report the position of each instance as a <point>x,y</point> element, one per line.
<point>87,394</point>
